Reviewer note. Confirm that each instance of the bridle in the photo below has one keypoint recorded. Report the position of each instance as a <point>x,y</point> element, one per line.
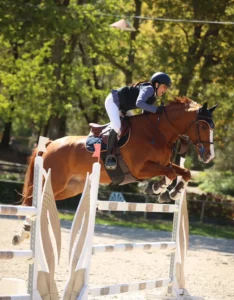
<point>198,143</point>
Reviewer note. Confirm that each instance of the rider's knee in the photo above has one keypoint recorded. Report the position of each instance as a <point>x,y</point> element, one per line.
<point>116,126</point>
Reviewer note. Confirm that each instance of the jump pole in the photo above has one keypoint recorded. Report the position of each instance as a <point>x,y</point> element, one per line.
<point>80,252</point>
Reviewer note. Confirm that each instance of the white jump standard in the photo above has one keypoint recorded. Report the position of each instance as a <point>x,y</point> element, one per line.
<point>82,231</point>
<point>43,255</point>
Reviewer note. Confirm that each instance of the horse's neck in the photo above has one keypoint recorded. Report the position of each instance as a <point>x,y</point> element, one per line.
<point>173,122</point>
<point>180,120</point>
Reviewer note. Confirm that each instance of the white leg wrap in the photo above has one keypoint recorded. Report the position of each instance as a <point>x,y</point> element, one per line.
<point>24,232</point>
<point>27,221</point>
<point>162,188</point>
<point>168,181</point>
<point>174,193</point>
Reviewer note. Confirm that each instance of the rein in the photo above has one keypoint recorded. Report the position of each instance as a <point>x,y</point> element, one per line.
<point>154,136</point>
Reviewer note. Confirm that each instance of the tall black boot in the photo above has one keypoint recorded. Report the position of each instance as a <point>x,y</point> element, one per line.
<point>111,161</point>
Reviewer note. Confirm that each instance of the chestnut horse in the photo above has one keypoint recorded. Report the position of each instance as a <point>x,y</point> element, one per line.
<point>147,153</point>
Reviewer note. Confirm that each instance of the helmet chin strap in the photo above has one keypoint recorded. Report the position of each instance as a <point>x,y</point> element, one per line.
<point>156,90</point>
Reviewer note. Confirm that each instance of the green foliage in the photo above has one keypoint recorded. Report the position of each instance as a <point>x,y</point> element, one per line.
<point>217,183</point>
<point>211,208</point>
<point>189,163</point>
<point>59,60</point>
<point>10,191</point>
<point>10,176</point>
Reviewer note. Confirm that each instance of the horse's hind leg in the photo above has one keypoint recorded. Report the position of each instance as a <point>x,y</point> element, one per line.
<point>24,233</point>
<point>67,190</point>
<point>73,187</point>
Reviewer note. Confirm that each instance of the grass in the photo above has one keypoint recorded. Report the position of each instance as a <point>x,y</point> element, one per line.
<point>207,230</point>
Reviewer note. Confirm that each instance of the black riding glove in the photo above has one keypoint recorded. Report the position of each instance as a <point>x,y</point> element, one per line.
<point>160,109</point>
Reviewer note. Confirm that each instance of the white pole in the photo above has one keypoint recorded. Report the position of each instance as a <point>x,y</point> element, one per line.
<point>95,179</point>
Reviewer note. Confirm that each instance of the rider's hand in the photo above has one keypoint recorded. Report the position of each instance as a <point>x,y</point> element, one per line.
<point>160,109</point>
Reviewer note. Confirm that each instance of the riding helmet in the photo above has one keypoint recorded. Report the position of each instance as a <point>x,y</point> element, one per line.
<point>161,78</point>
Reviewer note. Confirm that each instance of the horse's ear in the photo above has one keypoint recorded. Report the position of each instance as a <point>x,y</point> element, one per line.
<point>213,107</point>
<point>204,107</point>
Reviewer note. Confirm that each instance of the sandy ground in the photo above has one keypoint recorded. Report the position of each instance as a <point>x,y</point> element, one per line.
<point>209,266</point>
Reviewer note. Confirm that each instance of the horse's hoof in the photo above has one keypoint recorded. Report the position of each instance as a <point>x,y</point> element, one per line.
<point>16,240</point>
<point>148,190</point>
<point>164,197</point>
<point>175,195</point>
<point>19,238</point>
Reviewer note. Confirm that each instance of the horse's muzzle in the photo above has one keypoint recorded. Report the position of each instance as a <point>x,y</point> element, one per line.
<point>206,157</point>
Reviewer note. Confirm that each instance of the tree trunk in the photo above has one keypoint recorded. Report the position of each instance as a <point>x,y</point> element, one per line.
<point>57,127</point>
<point>6,135</point>
<point>8,126</point>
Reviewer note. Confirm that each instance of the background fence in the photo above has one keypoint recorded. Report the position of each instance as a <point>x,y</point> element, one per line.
<point>205,208</point>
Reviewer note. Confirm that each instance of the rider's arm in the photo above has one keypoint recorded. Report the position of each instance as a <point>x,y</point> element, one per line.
<point>145,93</point>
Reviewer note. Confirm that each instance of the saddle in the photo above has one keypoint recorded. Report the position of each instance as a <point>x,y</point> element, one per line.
<point>99,135</point>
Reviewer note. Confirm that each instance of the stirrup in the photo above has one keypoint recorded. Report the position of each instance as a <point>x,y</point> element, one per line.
<point>111,162</point>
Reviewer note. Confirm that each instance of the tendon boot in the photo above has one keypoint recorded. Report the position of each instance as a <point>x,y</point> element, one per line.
<point>111,161</point>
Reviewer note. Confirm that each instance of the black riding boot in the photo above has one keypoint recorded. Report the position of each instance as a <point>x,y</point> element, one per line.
<point>111,161</point>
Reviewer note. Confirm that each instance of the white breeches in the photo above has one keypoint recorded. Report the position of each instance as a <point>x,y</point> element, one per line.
<point>113,113</point>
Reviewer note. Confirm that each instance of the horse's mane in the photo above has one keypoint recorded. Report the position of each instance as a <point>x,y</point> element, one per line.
<point>189,103</point>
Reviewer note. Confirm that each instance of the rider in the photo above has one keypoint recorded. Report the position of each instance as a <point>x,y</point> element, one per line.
<point>142,95</point>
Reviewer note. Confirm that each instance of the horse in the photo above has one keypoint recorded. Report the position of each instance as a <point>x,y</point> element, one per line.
<point>147,152</point>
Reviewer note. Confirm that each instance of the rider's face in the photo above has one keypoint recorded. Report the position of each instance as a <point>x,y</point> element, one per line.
<point>162,88</point>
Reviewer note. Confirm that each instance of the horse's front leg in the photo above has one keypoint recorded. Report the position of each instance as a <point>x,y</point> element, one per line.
<point>150,170</point>
<point>186,176</point>
<point>158,187</point>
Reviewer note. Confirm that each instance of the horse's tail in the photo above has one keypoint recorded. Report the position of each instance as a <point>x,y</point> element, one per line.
<point>28,181</point>
<point>27,193</point>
